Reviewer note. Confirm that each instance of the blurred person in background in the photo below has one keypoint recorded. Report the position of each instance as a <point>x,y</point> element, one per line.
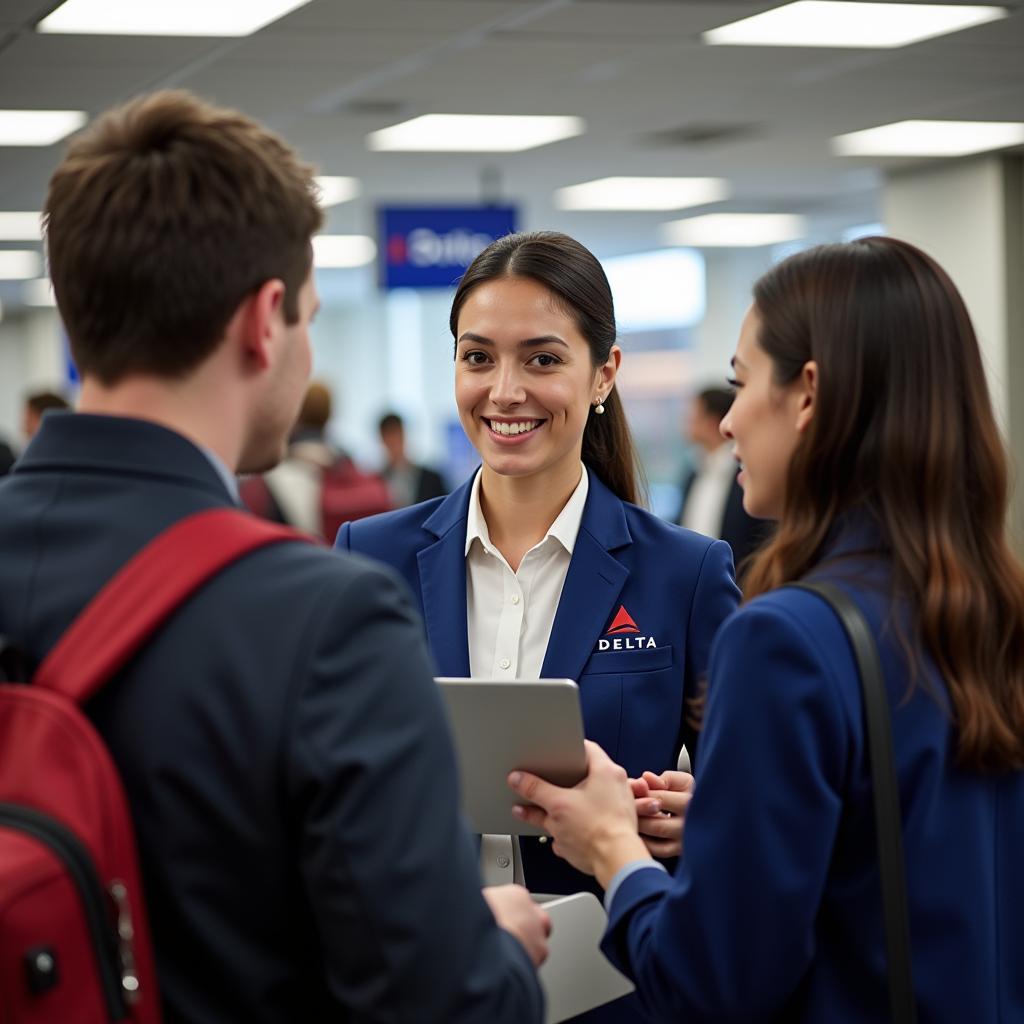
<point>865,428</point>
<point>408,482</point>
<point>542,565</point>
<point>7,457</point>
<point>712,497</point>
<point>37,404</point>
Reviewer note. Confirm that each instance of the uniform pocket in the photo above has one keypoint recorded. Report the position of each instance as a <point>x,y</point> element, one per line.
<point>651,659</point>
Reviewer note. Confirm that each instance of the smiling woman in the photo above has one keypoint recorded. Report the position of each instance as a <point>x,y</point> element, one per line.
<point>541,563</point>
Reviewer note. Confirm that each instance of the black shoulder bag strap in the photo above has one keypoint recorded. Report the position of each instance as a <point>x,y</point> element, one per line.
<point>887,798</point>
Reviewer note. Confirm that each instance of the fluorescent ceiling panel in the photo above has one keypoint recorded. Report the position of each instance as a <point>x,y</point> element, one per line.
<point>335,190</point>
<point>474,133</point>
<point>737,230</point>
<point>930,138</point>
<point>841,24</point>
<point>38,127</point>
<point>343,251</point>
<point>21,227</point>
<point>642,193</point>
<point>38,292</point>
<point>177,18</point>
<point>19,264</point>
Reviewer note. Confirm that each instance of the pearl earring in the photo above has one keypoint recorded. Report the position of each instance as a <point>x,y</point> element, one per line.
<point>599,406</point>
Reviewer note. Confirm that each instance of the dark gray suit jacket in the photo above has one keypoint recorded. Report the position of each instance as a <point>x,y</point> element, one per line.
<point>741,531</point>
<point>284,750</point>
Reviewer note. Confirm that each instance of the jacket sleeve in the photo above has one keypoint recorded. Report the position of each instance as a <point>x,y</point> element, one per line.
<point>732,933</point>
<point>389,870</point>
<point>715,598</point>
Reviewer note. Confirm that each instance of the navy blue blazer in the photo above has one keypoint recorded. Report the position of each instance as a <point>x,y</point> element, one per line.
<point>635,671</point>
<point>256,734</point>
<point>775,911</point>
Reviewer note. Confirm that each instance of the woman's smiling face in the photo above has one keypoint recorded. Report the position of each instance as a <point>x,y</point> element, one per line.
<point>524,378</point>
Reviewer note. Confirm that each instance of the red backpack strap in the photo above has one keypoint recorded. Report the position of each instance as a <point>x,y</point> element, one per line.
<point>146,591</point>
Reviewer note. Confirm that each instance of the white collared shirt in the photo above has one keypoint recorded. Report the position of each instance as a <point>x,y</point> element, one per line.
<point>705,504</point>
<point>510,614</point>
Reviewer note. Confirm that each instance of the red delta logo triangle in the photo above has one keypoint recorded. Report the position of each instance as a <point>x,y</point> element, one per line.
<point>622,623</point>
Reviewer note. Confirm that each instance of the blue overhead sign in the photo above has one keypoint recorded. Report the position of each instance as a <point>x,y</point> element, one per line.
<point>431,246</point>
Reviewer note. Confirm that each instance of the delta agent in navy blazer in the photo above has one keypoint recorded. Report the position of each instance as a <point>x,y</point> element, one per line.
<point>641,604</point>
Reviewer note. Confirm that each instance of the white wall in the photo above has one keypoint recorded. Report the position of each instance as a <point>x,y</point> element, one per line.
<point>730,274</point>
<point>956,213</point>
<point>31,358</point>
<point>969,215</point>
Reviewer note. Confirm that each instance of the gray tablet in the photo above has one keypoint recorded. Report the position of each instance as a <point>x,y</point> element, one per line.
<point>499,726</point>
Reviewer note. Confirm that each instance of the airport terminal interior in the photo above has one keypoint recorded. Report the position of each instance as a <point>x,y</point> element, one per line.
<point>819,678</point>
<point>661,123</point>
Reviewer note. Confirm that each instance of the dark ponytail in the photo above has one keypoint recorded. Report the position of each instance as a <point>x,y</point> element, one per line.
<point>574,276</point>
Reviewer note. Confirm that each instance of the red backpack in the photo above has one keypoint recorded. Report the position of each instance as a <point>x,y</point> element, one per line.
<point>346,493</point>
<point>74,939</point>
<point>349,493</point>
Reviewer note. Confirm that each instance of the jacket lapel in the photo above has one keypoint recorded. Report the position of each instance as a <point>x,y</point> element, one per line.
<point>592,585</point>
<point>442,568</point>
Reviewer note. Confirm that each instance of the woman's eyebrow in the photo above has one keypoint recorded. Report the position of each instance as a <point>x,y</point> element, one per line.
<point>544,339</point>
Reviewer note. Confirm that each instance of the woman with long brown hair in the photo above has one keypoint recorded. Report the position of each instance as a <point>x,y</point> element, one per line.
<point>864,426</point>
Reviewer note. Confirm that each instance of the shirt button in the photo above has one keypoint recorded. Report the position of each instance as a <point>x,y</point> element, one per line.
<point>504,663</point>
<point>515,599</point>
<point>543,839</point>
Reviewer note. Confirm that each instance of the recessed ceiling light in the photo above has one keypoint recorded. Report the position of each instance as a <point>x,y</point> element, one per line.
<point>843,24</point>
<point>38,292</point>
<point>19,264</point>
<point>642,193</point>
<point>335,190</point>
<point>180,18</point>
<point>475,133</point>
<point>930,138</point>
<point>21,227</point>
<point>734,229</point>
<point>341,251</point>
<point>38,127</point>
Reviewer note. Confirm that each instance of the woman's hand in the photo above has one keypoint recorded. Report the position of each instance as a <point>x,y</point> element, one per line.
<point>594,824</point>
<point>661,803</point>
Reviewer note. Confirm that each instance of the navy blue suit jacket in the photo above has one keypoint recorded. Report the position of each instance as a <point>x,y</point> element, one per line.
<point>676,586</point>
<point>284,751</point>
<point>775,911</point>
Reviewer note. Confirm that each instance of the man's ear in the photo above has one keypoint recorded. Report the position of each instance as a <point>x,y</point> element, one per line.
<point>259,316</point>
<point>807,393</point>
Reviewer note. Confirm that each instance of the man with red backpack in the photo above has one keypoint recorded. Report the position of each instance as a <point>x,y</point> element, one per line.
<point>283,752</point>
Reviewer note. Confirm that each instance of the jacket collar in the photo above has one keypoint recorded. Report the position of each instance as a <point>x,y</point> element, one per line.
<point>593,583</point>
<point>86,442</point>
<point>604,515</point>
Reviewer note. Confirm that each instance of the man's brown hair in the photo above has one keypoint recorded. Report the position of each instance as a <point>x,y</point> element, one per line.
<point>163,216</point>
